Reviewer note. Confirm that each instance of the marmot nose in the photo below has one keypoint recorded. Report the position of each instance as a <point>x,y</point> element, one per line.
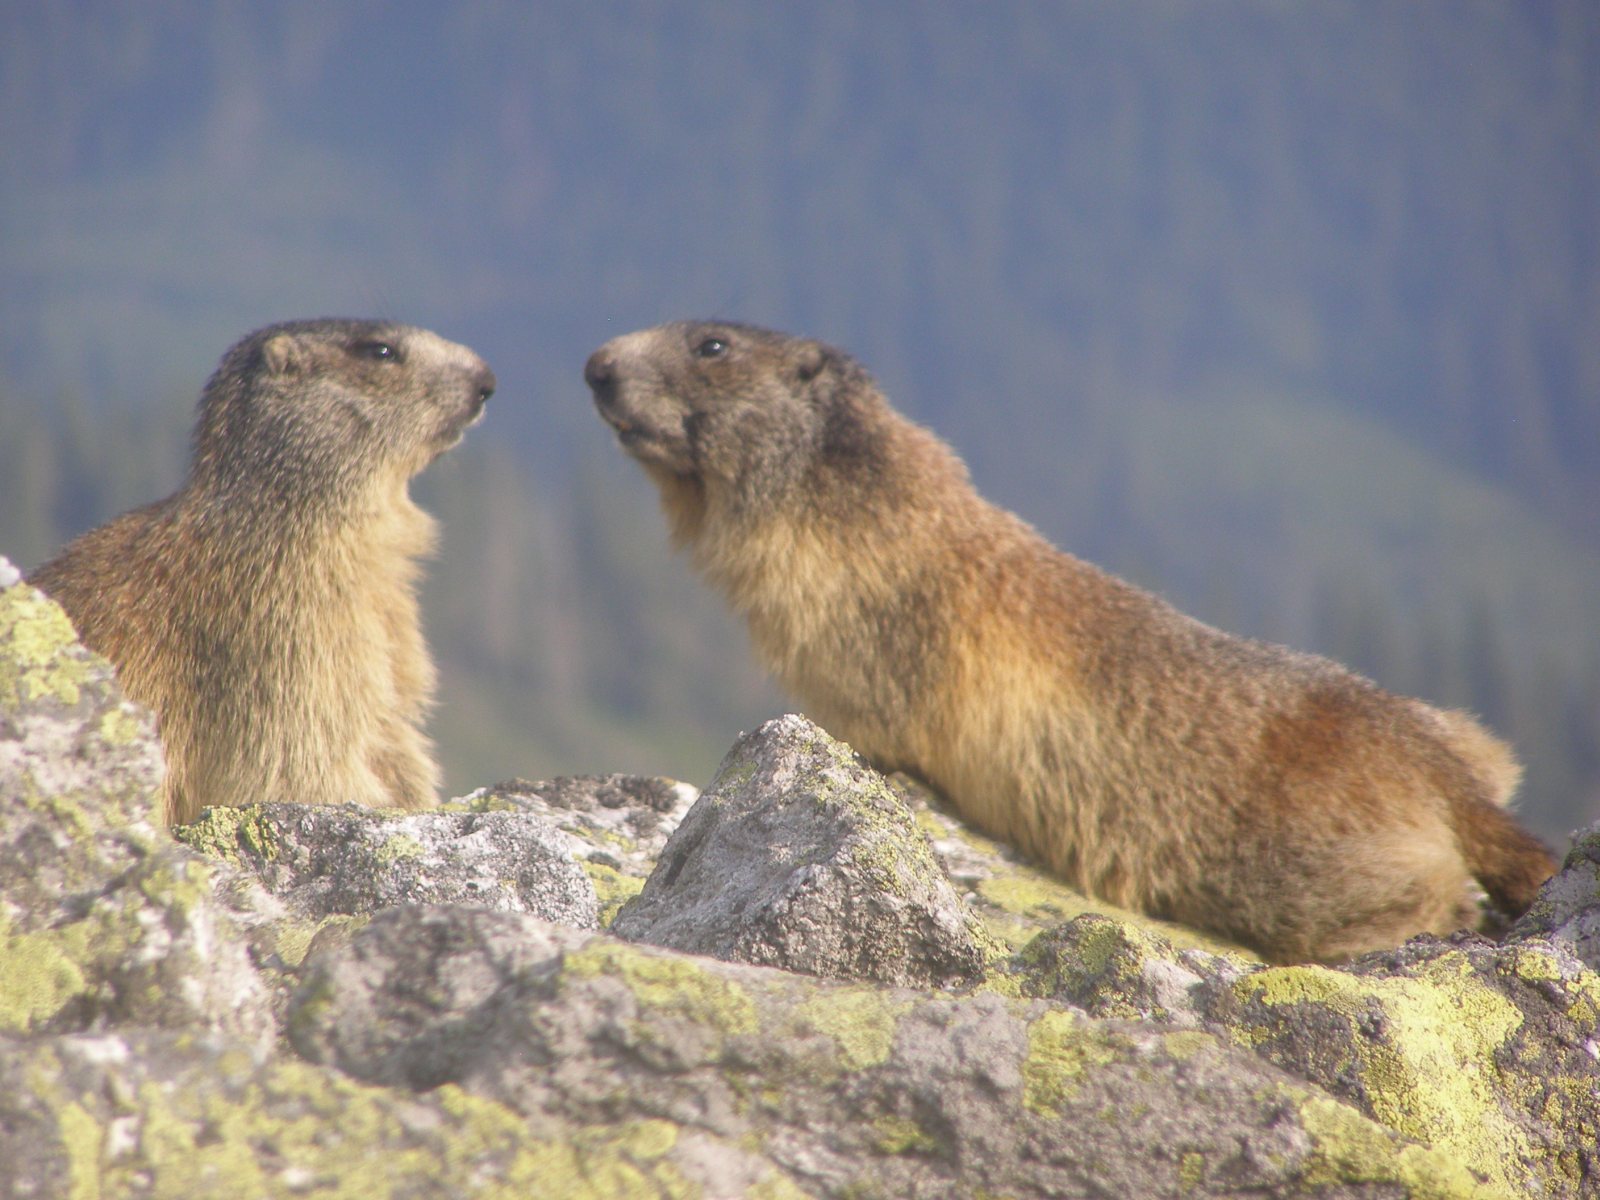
<point>485,382</point>
<point>600,373</point>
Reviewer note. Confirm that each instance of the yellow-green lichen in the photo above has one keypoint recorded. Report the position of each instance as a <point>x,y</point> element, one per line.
<point>483,800</point>
<point>1431,1074</point>
<point>603,1163</point>
<point>68,811</point>
<point>1580,988</point>
<point>1101,941</point>
<point>901,1135</point>
<point>1061,1050</point>
<point>1027,893</point>
<point>1186,1043</point>
<point>340,1139</point>
<point>862,1021</point>
<point>1348,1148</point>
<point>1191,1171</point>
<point>292,939</point>
<point>776,1187</point>
<point>43,971</point>
<point>180,884</point>
<point>311,1007</point>
<point>37,659</point>
<point>82,1138</point>
<point>231,834</point>
<point>1019,902</point>
<point>668,983</point>
<point>39,972</point>
<point>647,1140</point>
<point>1096,954</point>
<point>1536,966</point>
<point>119,726</point>
<point>731,775</point>
<point>399,847</point>
<point>612,888</point>
<point>891,850</point>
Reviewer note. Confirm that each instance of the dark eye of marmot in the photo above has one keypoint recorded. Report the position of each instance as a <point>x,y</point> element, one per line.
<point>711,348</point>
<point>374,349</point>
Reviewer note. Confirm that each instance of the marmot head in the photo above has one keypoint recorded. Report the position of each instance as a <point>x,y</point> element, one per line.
<point>337,401</point>
<point>737,408</point>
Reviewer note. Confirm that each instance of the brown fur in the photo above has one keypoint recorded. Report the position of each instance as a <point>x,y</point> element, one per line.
<point>1272,797</point>
<point>267,612</point>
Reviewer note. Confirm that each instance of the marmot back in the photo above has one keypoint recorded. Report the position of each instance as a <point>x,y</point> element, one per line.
<point>267,611</point>
<point>1272,797</point>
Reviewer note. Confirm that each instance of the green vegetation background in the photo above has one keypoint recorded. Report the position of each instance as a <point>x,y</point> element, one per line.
<point>1290,313</point>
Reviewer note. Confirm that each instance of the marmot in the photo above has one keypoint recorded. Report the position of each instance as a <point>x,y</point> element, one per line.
<point>267,611</point>
<point>1153,761</point>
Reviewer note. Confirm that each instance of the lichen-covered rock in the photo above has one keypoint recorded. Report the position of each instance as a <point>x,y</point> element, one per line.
<point>617,824</point>
<point>325,860</point>
<point>103,921</point>
<point>1567,912</point>
<point>846,1089</point>
<point>150,1113</point>
<point>1490,1053</point>
<point>1114,968</point>
<point>79,764</point>
<point>799,856</point>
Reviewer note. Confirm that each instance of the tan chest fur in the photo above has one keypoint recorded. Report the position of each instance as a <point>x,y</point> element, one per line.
<point>289,669</point>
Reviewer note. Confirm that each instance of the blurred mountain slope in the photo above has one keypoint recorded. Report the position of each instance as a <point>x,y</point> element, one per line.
<point>1289,312</point>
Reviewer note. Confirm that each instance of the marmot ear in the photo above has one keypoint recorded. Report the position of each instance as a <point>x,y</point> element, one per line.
<point>282,354</point>
<point>810,359</point>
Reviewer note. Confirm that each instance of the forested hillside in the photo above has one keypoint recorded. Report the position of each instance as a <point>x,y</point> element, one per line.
<point>1290,312</point>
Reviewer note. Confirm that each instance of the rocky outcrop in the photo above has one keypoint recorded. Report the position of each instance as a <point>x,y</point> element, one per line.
<point>342,860</point>
<point>302,1000</point>
<point>799,856</point>
<point>104,921</point>
<point>617,824</point>
<point>1567,912</point>
<point>844,1089</point>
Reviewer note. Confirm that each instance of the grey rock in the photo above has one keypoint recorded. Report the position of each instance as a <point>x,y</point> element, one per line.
<point>140,1112</point>
<point>79,765</point>
<point>1567,911</point>
<point>411,996</point>
<point>1111,968</point>
<point>103,921</point>
<point>845,1089</point>
<point>799,856</point>
<point>1487,1052</point>
<point>617,825</point>
<point>623,821</point>
<point>325,860</point>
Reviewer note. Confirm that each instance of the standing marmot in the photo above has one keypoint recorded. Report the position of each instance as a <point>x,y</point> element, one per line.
<point>267,611</point>
<point>1155,762</point>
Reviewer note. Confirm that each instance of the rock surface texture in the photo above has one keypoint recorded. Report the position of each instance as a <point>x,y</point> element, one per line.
<point>827,987</point>
<point>799,856</point>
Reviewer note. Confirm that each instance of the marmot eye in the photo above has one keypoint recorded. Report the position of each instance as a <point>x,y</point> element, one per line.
<point>711,348</point>
<point>374,349</point>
